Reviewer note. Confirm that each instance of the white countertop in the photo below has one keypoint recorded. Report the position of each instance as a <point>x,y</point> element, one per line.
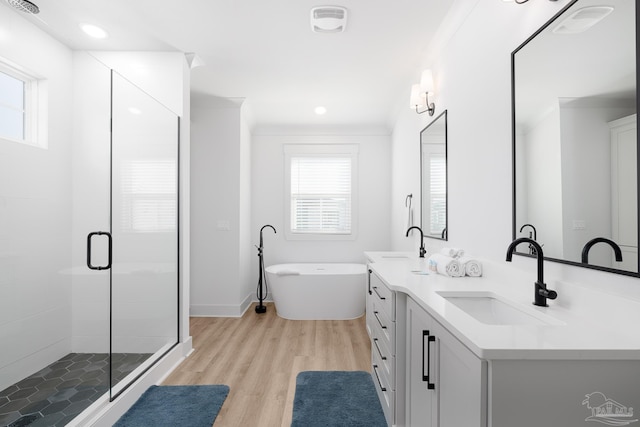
<point>588,325</point>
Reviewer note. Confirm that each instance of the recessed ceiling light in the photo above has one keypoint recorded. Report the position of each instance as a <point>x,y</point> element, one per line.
<point>94,31</point>
<point>320,110</point>
<point>135,111</point>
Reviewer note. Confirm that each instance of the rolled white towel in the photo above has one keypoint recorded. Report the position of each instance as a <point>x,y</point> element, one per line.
<point>445,265</point>
<point>288,273</point>
<point>472,267</point>
<point>452,252</point>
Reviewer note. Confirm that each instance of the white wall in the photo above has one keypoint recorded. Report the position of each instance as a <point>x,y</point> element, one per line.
<point>543,177</point>
<point>473,82</point>
<point>35,214</point>
<point>246,249</point>
<point>267,206</point>
<point>220,188</point>
<point>586,175</point>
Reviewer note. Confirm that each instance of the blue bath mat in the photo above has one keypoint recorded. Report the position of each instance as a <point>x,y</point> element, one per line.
<point>336,398</point>
<point>178,405</point>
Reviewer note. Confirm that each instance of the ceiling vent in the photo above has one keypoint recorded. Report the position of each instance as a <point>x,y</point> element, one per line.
<point>328,19</point>
<point>582,19</point>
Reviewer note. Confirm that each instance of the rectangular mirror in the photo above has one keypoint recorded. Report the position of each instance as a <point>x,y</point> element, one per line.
<point>574,137</point>
<point>433,178</point>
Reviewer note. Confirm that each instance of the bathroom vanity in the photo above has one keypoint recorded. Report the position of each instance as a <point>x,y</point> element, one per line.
<point>477,352</point>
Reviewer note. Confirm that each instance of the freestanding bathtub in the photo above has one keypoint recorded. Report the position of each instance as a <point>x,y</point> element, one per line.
<point>306,291</point>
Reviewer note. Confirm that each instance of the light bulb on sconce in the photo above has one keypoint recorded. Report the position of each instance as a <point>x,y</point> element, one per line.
<point>420,94</point>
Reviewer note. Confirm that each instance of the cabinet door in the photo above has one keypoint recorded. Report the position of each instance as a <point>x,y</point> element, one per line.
<point>421,402</point>
<point>446,382</point>
<point>369,307</point>
<point>460,382</point>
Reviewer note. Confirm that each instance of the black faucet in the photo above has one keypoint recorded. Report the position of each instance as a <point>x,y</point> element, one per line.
<point>587,247</point>
<point>541,292</point>
<point>532,235</point>
<point>422,249</point>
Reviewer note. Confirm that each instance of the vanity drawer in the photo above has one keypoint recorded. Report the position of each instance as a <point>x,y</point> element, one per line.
<point>384,296</point>
<point>386,394</point>
<point>382,324</point>
<point>386,360</point>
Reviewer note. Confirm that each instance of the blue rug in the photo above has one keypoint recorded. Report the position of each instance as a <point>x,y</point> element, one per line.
<point>336,398</point>
<point>178,405</point>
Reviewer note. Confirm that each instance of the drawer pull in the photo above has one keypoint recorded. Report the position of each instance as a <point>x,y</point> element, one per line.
<point>425,378</point>
<point>375,289</point>
<point>375,370</point>
<point>369,281</point>
<point>375,341</point>
<point>375,313</point>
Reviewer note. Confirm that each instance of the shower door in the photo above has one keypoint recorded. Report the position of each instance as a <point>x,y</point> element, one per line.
<point>144,232</point>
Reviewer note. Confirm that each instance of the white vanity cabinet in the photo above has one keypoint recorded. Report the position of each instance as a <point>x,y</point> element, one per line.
<point>381,323</point>
<point>446,382</point>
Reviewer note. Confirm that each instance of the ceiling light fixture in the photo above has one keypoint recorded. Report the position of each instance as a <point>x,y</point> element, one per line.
<point>420,94</point>
<point>320,110</point>
<point>94,31</point>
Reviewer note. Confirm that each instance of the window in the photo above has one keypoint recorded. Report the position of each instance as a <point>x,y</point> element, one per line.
<point>149,198</point>
<point>321,191</point>
<point>19,101</point>
<point>438,193</point>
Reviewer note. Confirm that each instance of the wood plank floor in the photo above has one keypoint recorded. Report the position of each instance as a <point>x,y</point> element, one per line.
<point>259,355</point>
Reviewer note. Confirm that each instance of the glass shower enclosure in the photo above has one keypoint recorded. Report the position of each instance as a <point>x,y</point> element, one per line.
<point>89,257</point>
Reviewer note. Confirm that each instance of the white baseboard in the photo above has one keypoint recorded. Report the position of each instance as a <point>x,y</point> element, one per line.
<point>222,310</point>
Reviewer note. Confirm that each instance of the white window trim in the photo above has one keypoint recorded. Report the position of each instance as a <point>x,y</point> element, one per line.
<point>35,125</point>
<point>297,150</point>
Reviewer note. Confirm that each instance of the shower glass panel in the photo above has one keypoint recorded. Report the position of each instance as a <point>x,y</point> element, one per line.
<point>144,228</point>
<point>88,252</point>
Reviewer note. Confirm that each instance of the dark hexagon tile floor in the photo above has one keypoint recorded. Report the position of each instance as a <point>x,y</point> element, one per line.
<point>56,394</point>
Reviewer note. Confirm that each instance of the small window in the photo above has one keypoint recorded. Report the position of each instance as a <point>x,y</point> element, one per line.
<point>19,104</point>
<point>149,196</point>
<point>438,193</point>
<point>12,107</point>
<point>321,191</point>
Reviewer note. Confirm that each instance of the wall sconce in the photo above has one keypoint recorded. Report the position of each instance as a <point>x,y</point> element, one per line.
<point>420,94</point>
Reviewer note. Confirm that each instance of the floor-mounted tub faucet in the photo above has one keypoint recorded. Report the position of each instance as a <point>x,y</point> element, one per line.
<point>422,249</point>
<point>590,243</point>
<point>541,293</point>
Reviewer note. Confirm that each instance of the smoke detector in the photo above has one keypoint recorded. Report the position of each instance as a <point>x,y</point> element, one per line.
<point>328,19</point>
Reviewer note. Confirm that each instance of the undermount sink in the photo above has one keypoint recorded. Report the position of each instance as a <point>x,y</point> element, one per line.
<point>492,309</point>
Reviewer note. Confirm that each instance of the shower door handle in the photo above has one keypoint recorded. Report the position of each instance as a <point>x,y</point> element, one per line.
<point>89,239</point>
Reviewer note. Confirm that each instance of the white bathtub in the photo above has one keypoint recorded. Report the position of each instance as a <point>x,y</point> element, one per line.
<point>308,291</point>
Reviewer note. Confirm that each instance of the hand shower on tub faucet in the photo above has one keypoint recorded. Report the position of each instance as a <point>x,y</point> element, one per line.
<point>260,308</point>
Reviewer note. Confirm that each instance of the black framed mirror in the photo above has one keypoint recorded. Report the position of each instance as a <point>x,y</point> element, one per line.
<point>433,178</point>
<point>574,121</point>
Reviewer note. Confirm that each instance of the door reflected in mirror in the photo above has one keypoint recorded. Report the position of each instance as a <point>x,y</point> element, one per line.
<point>433,178</point>
<point>574,136</point>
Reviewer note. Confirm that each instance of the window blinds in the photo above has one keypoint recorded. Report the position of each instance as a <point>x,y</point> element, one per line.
<point>321,195</point>
<point>438,193</point>
<point>149,202</point>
